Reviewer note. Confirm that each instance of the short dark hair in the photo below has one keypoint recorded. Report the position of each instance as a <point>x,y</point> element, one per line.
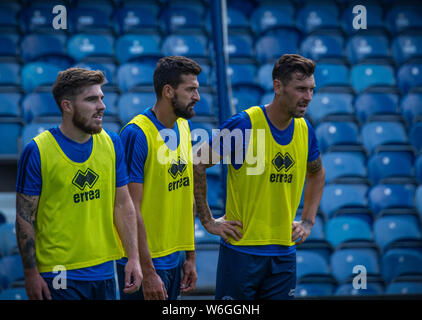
<point>70,82</point>
<point>169,71</point>
<point>289,64</point>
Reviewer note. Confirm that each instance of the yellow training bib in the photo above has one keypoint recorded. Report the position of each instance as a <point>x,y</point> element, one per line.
<point>74,223</point>
<point>266,200</point>
<point>167,202</point>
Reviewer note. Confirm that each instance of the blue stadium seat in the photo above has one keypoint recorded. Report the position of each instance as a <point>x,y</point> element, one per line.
<point>271,47</point>
<point>44,47</point>
<point>8,45</point>
<point>313,17</point>
<point>142,17</point>
<point>8,17</point>
<point>374,21</point>
<point>393,165</point>
<point>267,17</point>
<point>240,74</point>
<point>36,74</point>
<point>40,106</point>
<point>180,19</point>
<point>36,19</point>
<point>31,130</point>
<point>8,243</point>
<point>105,6</point>
<point>317,47</point>
<point>400,261</point>
<point>135,46</point>
<point>415,134</point>
<point>409,76</point>
<point>411,106</point>
<point>333,133</point>
<point>194,46</point>
<point>342,229</point>
<point>110,101</point>
<point>332,74</point>
<point>214,193</point>
<point>14,294</point>
<point>347,289</point>
<point>204,107</point>
<point>245,97</point>
<point>267,98</point>
<point>324,104</point>
<point>132,104</point>
<point>377,133</point>
<point>383,196</point>
<point>395,227</point>
<point>93,46</point>
<point>134,74</point>
<point>236,19</point>
<point>376,103</point>
<point>314,289</point>
<point>239,46</point>
<point>310,263</point>
<point>365,48</point>
<point>418,170</point>
<point>9,74</point>
<point>265,78</point>
<point>364,76</point>
<point>206,267</point>
<point>404,287</point>
<point>403,18</point>
<point>202,235</point>
<point>343,261</point>
<point>406,47</point>
<point>338,196</point>
<point>10,132</point>
<point>10,104</point>
<point>89,19</point>
<point>108,69</point>
<point>339,166</point>
<point>11,270</point>
<point>112,126</point>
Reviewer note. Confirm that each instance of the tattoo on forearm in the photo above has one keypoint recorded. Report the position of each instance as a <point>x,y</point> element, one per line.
<point>26,208</point>
<point>200,192</point>
<point>315,166</point>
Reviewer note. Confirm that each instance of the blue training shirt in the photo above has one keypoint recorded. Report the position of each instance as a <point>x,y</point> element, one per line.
<point>29,182</point>
<point>136,151</point>
<point>242,121</point>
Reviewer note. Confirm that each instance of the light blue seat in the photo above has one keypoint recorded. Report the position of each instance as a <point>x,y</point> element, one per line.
<point>9,74</point>
<point>391,228</point>
<point>310,263</point>
<point>325,104</point>
<point>411,106</point>
<point>14,294</point>
<point>383,196</point>
<point>404,287</point>
<point>82,46</point>
<point>241,74</point>
<point>35,74</point>
<point>40,106</point>
<point>341,165</point>
<point>331,74</point>
<point>135,46</point>
<point>8,242</point>
<point>313,17</point>
<point>318,47</point>
<point>267,17</point>
<point>369,104</point>
<point>377,133</point>
<point>133,103</point>
<point>190,45</point>
<point>206,267</point>
<point>10,131</point>
<point>36,46</point>
<point>89,19</point>
<point>362,48</point>
<point>269,48</point>
<point>134,74</point>
<point>364,76</point>
<point>386,165</point>
<point>136,17</point>
<point>10,104</point>
<point>11,270</point>
<point>313,289</point>
<point>403,18</point>
<point>400,261</point>
<point>406,47</point>
<point>341,229</point>
<point>338,196</point>
<point>409,77</point>
<point>333,133</point>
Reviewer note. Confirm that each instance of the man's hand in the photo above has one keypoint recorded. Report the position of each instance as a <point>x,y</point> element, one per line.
<point>301,230</point>
<point>153,287</point>
<point>224,228</point>
<point>36,287</point>
<point>190,276</point>
<point>133,276</point>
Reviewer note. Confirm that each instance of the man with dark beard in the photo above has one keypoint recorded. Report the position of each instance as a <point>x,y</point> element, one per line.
<point>158,149</point>
<point>71,198</point>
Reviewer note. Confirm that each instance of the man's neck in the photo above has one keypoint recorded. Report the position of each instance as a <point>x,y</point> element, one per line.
<point>278,118</point>
<point>73,133</point>
<point>164,115</point>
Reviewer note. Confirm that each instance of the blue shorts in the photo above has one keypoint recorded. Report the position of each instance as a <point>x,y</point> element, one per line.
<point>242,276</point>
<point>170,277</point>
<point>84,290</point>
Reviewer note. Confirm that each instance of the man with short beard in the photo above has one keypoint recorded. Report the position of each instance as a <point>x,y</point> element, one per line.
<point>158,149</point>
<point>71,198</point>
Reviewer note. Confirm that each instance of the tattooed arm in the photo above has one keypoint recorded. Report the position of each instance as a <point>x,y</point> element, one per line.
<point>314,187</point>
<point>221,226</point>
<point>26,209</point>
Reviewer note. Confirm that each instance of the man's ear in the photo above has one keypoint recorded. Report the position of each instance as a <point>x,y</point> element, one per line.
<point>277,86</point>
<point>168,91</point>
<point>66,105</point>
